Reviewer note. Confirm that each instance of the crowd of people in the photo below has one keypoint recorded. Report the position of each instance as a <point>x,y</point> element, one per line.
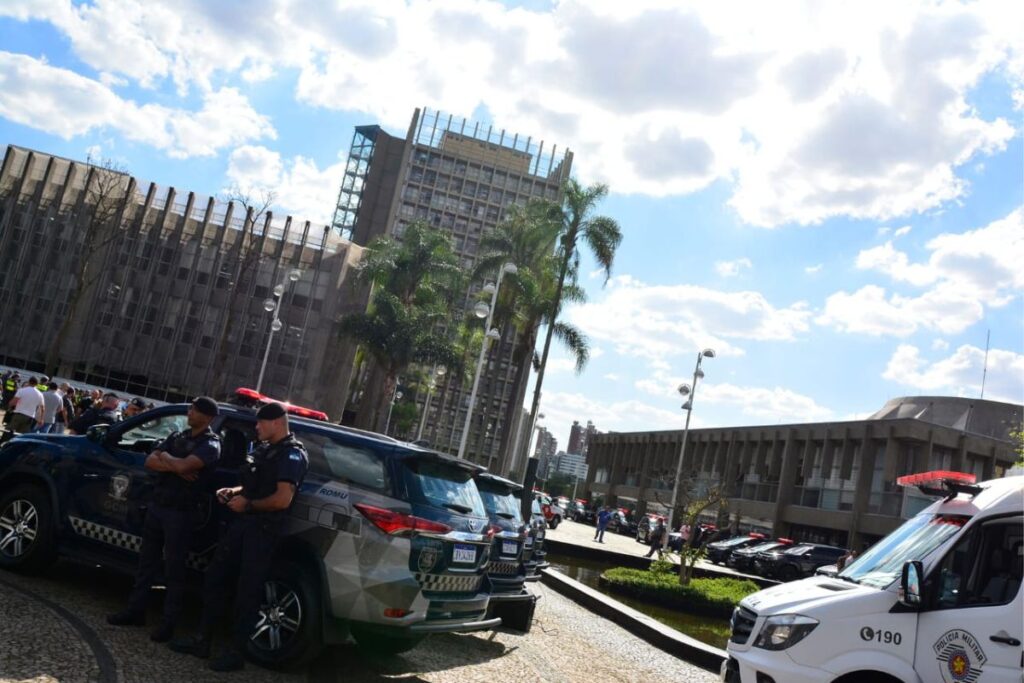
<point>41,405</point>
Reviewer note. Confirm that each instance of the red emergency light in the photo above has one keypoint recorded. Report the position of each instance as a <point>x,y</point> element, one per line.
<point>943,483</point>
<point>299,411</point>
<point>785,541</point>
<point>936,477</point>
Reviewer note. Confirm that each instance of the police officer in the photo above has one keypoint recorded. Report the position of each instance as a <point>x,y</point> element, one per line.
<point>270,477</point>
<point>183,465</point>
<point>105,413</point>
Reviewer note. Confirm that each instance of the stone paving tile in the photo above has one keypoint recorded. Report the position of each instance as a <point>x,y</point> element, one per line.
<point>567,643</point>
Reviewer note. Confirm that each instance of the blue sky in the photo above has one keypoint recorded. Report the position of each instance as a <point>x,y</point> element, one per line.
<point>831,199</point>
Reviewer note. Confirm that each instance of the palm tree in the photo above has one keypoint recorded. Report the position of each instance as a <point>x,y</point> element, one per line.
<point>601,234</point>
<point>416,282</point>
<point>527,238</point>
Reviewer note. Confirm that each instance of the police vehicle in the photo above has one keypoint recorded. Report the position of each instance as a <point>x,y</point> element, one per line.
<point>938,599</point>
<point>507,569</point>
<point>386,542</point>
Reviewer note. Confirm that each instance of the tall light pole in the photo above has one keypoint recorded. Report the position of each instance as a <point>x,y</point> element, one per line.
<point>435,376</point>
<point>274,306</point>
<point>492,334</point>
<point>394,399</point>
<point>685,390</point>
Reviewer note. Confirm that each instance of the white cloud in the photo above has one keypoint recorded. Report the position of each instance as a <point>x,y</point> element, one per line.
<point>811,270</point>
<point>745,403</point>
<point>961,373</point>
<point>732,268</point>
<point>869,310</point>
<point>611,377</point>
<point>965,272</point>
<point>561,408</point>
<point>844,110</point>
<point>940,345</point>
<point>63,103</point>
<point>660,323</point>
<point>301,187</point>
<point>900,232</point>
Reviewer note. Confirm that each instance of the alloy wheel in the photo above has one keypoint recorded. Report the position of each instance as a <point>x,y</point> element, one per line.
<point>19,524</point>
<point>280,617</point>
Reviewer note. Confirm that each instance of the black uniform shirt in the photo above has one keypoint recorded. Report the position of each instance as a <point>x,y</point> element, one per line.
<point>171,488</point>
<point>269,463</point>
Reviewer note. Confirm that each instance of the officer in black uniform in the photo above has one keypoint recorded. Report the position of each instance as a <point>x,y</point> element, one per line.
<point>271,475</point>
<point>183,465</point>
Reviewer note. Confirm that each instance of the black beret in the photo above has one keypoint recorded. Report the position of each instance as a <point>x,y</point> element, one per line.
<point>206,405</point>
<point>271,411</point>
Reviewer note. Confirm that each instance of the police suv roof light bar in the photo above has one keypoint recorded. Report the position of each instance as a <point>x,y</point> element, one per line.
<point>942,483</point>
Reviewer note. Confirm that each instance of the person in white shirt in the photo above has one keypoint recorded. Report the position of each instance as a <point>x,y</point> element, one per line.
<point>27,405</point>
<point>53,409</point>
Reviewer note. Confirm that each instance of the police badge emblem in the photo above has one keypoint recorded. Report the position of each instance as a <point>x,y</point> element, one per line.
<point>960,655</point>
<point>119,487</point>
<point>429,555</point>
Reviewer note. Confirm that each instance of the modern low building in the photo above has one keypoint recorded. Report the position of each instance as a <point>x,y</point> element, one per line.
<point>572,464</point>
<point>832,482</point>
<point>461,177</point>
<point>147,313</point>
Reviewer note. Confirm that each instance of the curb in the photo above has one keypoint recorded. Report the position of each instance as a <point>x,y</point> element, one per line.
<point>654,632</point>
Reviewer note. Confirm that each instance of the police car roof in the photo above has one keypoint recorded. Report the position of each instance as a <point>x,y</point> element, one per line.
<point>499,480</point>
<point>226,408</point>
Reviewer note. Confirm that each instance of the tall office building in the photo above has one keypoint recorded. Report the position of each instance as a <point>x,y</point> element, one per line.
<point>575,438</point>
<point>156,291</point>
<point>460,177</point>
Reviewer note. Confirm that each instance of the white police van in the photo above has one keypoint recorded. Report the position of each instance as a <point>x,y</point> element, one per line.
<point>938,599</point>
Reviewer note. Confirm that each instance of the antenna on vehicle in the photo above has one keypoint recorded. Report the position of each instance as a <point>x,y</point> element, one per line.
<point>984,372</point>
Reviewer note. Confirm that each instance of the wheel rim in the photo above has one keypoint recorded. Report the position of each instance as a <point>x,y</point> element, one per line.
<point>280,617</point>
<point>19,525</point>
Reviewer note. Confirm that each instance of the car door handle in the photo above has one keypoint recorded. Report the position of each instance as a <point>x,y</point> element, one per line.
<point>92,476</point>
<point>1006,640</point>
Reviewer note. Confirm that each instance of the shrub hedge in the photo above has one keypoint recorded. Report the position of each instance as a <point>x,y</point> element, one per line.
<point>708,597</point>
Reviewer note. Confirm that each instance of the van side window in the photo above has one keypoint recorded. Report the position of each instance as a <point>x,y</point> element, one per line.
<point>984,568</point>
<point>346,462</point>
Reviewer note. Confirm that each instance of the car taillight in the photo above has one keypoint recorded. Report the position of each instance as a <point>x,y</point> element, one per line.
<point>395,523</point>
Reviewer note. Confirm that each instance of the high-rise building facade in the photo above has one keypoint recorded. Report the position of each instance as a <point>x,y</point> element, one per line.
<point>575,445</point>
<point>158,294</point>
<point>547,444</point>
<point>460,177</point>
<point>573,464</point>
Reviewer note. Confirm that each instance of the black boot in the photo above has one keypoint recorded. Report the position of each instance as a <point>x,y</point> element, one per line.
<point>127,617</point>
<point>229,660</point>
<point>163,632</point>
<point>197,646</point>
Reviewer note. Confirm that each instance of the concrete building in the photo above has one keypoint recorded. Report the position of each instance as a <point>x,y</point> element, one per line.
<point>547,444</point>
<point>460,177</point>
<point>575,445</point>
<point>573,464</point>
<point>155,295</point>
<point>829,482</point>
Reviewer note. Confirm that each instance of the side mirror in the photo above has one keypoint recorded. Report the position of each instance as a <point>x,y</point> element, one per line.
<point>910,585</point>
<point>97,433</point>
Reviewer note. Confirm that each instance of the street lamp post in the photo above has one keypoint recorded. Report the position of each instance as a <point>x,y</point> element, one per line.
<point>435,376</point>
<point>274,306</point>
<point>394,399</point>
<point>492,334</point>
<point>685,390</point>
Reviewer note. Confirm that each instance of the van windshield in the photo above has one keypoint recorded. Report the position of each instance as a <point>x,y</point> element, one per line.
<point>916,539</point>
<point>444,486</point>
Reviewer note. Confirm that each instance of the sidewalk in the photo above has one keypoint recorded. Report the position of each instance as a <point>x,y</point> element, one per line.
<point>582,536</point>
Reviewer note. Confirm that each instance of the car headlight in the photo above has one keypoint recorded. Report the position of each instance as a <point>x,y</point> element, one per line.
<point>783,631</point>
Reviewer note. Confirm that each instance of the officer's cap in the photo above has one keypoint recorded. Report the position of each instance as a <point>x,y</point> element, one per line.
<point>206,405</point>
<point>271,411</point>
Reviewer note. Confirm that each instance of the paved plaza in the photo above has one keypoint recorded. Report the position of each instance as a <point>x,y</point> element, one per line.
<point>52,628</point>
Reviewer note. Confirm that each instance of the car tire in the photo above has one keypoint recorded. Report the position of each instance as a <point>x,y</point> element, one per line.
<point>26,529</point>
<point>290,629</point>
<point>789,573</point>
<point>378,643</point>
<point>555,521</point>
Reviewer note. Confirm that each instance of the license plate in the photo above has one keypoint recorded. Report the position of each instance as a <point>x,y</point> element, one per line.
<point>509,547</point>
<point>464,553</point>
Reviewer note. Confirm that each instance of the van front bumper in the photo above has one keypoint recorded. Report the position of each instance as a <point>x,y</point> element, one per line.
<point>463,627</point>
<point>778,665</point>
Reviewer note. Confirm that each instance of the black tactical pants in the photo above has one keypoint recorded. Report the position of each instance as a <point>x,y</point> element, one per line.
<point>246,550</point>
<point>166,534</point>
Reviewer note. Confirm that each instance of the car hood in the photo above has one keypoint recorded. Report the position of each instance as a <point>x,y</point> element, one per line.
<point>815,594</point>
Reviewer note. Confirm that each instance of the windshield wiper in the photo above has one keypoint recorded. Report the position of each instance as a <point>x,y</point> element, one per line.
<point>457,507</point>
<point>505,515</point>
